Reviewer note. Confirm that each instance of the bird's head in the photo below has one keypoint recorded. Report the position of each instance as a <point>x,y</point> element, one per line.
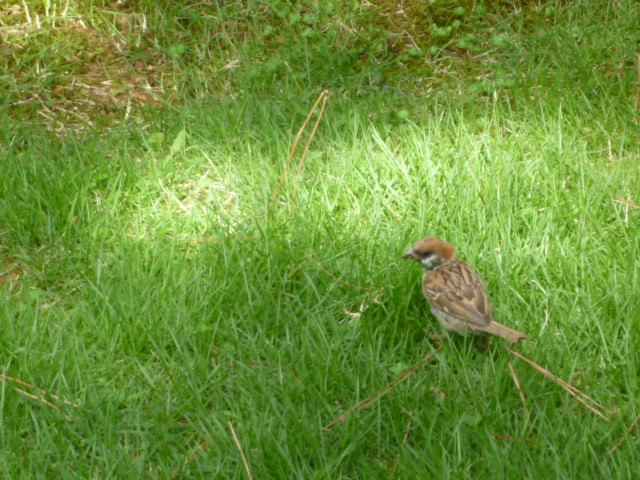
<point>431,252</point>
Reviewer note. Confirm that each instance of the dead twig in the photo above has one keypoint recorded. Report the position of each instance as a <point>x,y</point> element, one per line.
<point>522,397</point>
<point>244,459</point>
<point>621,441</point>
<point>387,388</point>
<point>580,396</point>
<point>323,96</point>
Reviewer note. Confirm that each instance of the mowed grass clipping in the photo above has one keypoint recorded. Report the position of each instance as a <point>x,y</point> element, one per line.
<point>147,280</point>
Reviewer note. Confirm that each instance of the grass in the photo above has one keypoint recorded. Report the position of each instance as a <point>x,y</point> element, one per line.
<point>145,278</point>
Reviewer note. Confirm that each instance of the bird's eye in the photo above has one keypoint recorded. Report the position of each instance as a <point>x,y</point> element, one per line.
<point>426,253</point>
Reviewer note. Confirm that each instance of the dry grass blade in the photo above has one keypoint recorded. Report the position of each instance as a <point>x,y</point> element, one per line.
<point>203,447</point>
<point>522,397</point>
<point>362,405</point>
<point>405,439</point>
<point>322,96</point>
<point>629,430</point>
<point>244,459</point>
<point>581,397</point>
<point>626,202</point>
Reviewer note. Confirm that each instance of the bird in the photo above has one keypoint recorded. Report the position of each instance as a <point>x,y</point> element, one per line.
<point>455,291</point>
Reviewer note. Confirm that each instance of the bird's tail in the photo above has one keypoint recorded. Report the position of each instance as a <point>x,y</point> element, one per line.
<point>507,333</point>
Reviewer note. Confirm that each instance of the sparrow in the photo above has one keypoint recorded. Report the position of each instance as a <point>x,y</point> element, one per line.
<point>455,292</point>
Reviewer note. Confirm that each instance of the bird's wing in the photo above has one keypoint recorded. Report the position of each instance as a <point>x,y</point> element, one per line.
<point>455,288</point>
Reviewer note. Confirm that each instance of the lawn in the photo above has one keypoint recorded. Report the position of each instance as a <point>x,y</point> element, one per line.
<point>180,297</point>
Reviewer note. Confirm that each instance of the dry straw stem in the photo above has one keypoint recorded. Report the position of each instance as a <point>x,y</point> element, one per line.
<point>522,397</point>
<point>40,390</point>
<point>629,430</point>
<point>41,398</point>
<point>581,397</point>
<point>244,459</point>
<point>323,96</point>
<point>362,405</point>
<point>306,148</point>
<point>626,202</point>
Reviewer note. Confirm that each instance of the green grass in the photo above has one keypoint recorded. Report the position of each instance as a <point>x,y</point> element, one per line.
<point>146,279</point>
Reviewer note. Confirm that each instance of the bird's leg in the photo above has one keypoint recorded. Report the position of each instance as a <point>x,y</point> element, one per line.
<point>483,341</point>
<point>438,338</point>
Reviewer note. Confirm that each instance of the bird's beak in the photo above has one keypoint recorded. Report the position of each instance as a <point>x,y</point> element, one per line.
<point>410,255</point>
